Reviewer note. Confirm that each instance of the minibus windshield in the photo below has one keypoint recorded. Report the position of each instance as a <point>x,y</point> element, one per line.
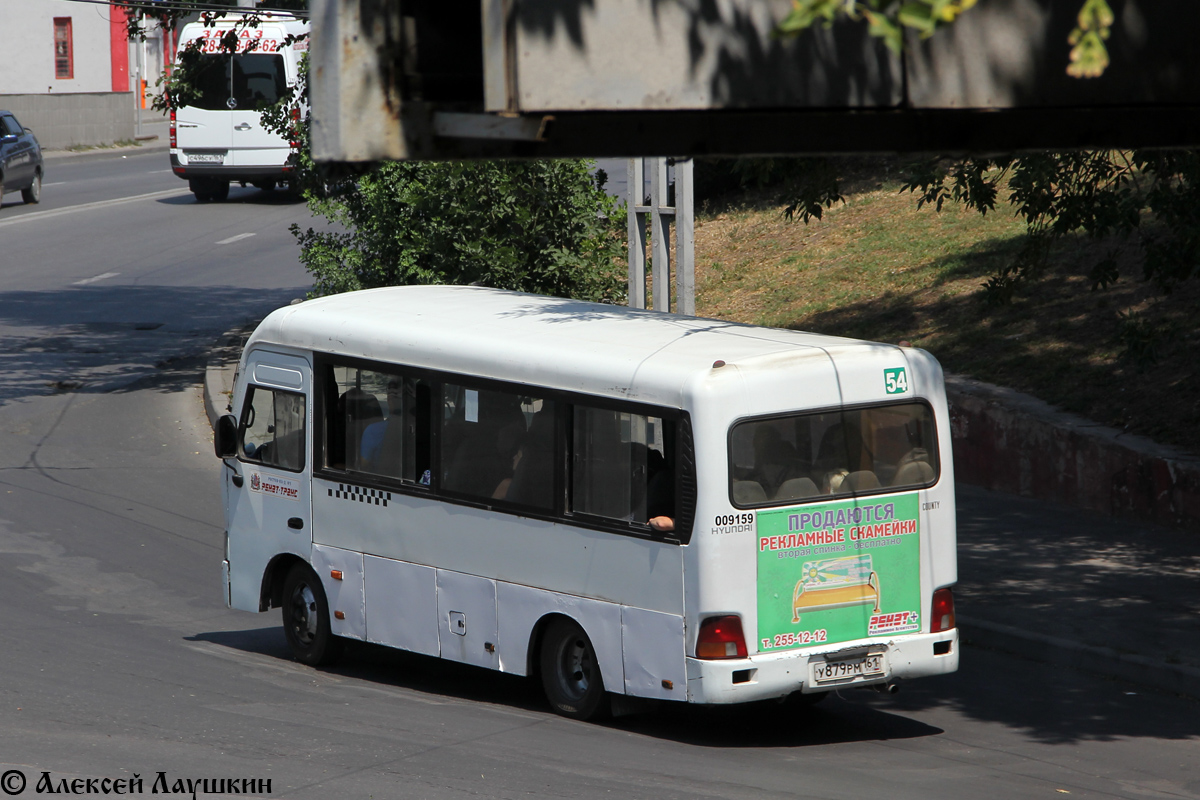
<point>813,456</point>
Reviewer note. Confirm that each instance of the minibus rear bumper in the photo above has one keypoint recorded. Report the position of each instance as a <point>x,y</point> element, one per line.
<point>769,676</point>
<point>230,172</point>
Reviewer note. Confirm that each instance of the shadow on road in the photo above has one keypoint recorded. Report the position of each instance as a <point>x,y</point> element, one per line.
<point>1047,705</point>
<point>105,338</point>
<point>771,724</point>
<point>239,196</point>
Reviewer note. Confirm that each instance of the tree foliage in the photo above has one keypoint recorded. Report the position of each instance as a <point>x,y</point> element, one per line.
<point>889,19</point>
<point>1149,199</point>
<point>1140,207</point>
<point>537,226</point>
<point>886,19</point>
<point>178,83</point>
<point>140,16</point>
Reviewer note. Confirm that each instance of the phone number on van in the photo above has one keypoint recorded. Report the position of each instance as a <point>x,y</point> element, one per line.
<point>214,45</point>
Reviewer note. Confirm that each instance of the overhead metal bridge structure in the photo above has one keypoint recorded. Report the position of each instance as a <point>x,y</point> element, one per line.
<point>454,79</point>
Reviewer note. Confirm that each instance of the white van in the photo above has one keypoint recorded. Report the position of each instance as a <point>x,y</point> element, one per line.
<point>220,138</point>
<point>622,503</point>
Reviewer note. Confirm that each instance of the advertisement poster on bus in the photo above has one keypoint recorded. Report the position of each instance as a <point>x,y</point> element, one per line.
<point>838,571</point>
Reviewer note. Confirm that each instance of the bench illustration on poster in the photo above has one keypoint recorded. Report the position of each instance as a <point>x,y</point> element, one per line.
<point>836,583</point>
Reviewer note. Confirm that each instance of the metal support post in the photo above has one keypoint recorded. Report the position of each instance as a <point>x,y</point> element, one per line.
<point>685,239</point>
<point>137,102</point>
<point>661,212</point>
<point>636,217</point>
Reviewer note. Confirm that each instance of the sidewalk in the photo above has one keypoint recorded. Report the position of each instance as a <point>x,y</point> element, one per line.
<point>1039,579</point>
<point>156,135</point>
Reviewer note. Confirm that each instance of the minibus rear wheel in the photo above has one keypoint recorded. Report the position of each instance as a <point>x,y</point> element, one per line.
<point>570,672</point>
<point>306,618</point>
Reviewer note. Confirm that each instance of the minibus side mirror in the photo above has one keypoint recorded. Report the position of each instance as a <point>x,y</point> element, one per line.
<point>225,436</point>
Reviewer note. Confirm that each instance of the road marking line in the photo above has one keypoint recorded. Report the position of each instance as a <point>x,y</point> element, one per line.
<point>56,183</point>
<point>93,279</point>
<point>58,212</point>
<point>237,238</point>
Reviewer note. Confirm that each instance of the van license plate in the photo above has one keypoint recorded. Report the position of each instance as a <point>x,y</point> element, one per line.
<point>206,158</point>
<point>849,668</point>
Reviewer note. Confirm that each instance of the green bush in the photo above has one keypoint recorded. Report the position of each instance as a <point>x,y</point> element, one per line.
<point>545,227</point>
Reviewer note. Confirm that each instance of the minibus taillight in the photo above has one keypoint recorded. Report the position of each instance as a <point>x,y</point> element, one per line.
<point>721,637</point>
<point>173,140</point>
<point>295,143</point>
<point>942,617</point>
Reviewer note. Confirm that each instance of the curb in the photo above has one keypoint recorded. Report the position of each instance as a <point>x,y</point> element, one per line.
<point>95,152</point>
<point>1010,442</point>
<point>1102,661</point>
<point>221,371</point>
<point>147,142</point>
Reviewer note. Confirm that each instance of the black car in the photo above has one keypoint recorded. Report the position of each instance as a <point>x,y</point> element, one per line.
<point>20,160</point>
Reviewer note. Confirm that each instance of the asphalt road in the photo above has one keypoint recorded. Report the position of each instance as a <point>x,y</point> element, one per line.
<point>119,659</point>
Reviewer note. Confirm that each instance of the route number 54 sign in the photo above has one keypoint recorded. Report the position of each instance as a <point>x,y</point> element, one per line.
<point>895,380</point>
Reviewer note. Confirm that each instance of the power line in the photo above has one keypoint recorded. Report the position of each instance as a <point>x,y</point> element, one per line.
<point>184,5</point>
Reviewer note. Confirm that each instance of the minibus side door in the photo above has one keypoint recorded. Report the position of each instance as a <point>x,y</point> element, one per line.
<point>268,489</point>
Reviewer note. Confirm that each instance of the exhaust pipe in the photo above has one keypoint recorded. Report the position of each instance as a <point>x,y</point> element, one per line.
<point>891,687</point>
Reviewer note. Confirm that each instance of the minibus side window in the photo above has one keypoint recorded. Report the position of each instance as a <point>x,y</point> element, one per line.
<point>379,424</point>
<point>622,465</point>
<point>498,445</point>
<point>272,430</point>
<point>801,457</point>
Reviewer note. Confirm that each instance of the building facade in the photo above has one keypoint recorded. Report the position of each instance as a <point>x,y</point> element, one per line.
<point>56,46</point>
<point>67,72</point>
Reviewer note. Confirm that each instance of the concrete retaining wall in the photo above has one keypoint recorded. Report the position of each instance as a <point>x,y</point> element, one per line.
<point>1011,442</point>
<point>65,120</point>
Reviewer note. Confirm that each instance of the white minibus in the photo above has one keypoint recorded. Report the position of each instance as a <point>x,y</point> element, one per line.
<point>218,137</point>
<point>614,501</point>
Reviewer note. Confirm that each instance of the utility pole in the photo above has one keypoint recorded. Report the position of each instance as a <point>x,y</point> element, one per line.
<point>654,220</point>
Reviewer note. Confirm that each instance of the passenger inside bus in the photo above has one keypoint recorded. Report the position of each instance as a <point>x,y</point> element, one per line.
<point>374,433</point>
<point>660,489</point>
<point>532,482</point>
<point>399,445</point>
<point>357,409</point>
<point>501,445</point>
<point>485,434</point>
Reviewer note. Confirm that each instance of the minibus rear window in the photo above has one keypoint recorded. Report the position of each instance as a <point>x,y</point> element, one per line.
<point>250,80</point>
<point>798,458</point>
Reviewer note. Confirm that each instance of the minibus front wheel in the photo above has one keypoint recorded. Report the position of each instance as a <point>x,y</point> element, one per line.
<point>306,618</point>
<point>570,672</point>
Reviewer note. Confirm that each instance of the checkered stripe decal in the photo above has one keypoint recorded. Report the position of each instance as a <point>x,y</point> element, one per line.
<point>358,494</point>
